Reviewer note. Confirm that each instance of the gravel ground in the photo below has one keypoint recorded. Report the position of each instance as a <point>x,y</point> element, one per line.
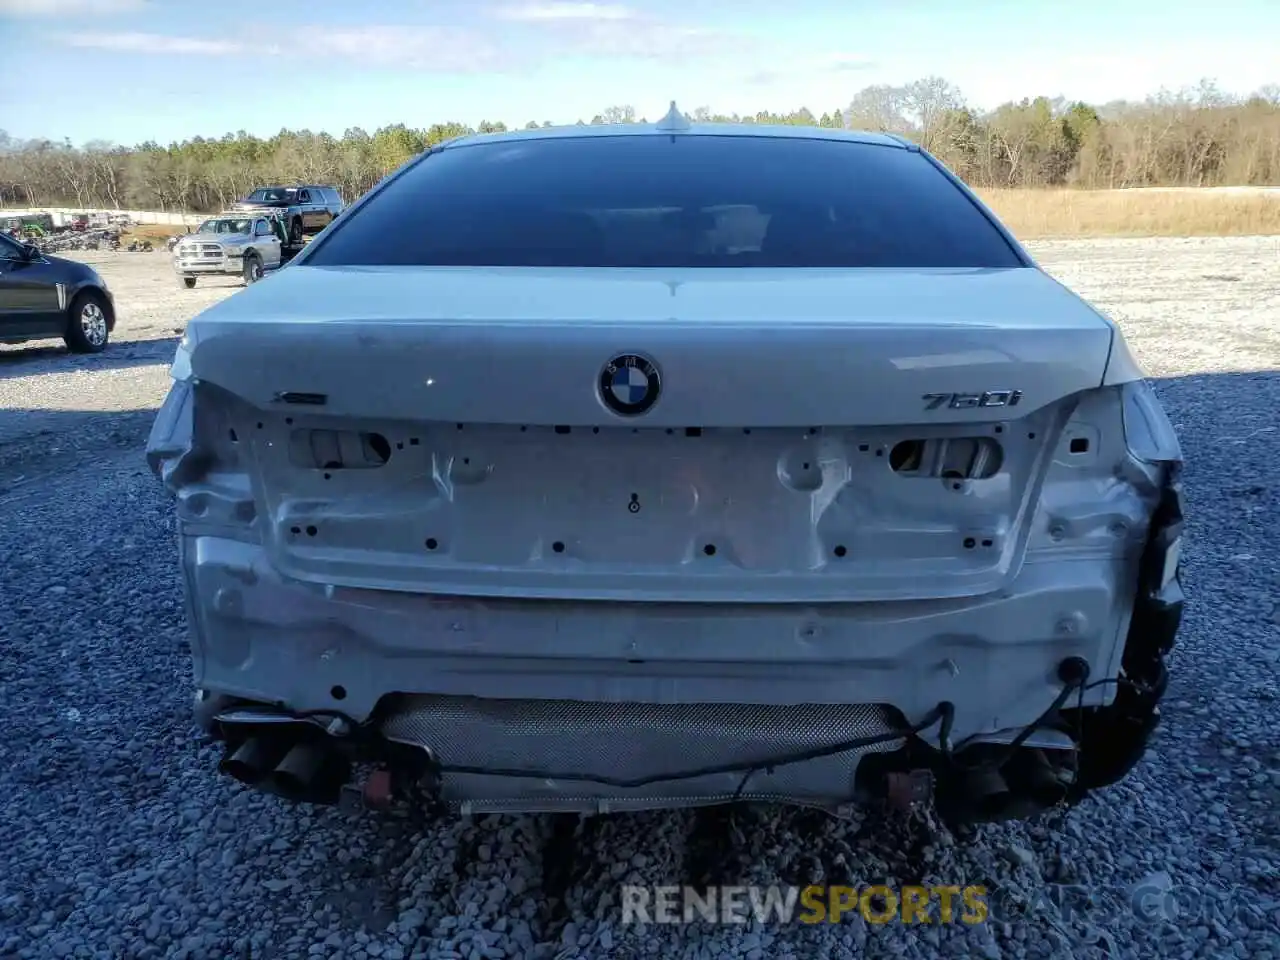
<point>117,839</point>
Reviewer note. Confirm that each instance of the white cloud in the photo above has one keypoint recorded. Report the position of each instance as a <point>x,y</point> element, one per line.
<point>656,40</point>
<point>552,12</point>
<point>62,8</point>
<point>809,65</point>
<point>159,43</point>
<point>585,29</point>
<point>435,49</point>
<point>609,30</point>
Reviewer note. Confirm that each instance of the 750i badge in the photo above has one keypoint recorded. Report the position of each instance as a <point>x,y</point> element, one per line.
<point>629,384</point>
<point>962,401</point>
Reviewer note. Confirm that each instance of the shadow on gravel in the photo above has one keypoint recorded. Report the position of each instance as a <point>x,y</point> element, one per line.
<point>40,357</point>
<point>36,444</point>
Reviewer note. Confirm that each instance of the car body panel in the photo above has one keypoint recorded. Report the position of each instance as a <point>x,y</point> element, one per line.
<point>265,638</point>
<point>496,483</point>
<point>262,635</point>
<point>870,365</point>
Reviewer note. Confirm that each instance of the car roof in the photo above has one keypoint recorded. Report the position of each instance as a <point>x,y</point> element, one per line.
<point>675,122</point>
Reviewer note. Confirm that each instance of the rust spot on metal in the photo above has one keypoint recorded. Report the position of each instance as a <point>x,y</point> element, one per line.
<point>908,790</point>
<point>377,790</point>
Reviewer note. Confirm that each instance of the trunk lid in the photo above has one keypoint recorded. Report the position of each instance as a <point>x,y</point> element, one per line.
<point>442,429</point>
<point>739,348</point>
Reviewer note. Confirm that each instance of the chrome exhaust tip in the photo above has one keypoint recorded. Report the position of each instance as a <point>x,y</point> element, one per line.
<point>252,760</point>
<point>312,772</point>
<point>295,774</point>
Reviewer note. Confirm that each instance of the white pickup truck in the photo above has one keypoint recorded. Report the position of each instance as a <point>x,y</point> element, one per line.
<point>232,244</point>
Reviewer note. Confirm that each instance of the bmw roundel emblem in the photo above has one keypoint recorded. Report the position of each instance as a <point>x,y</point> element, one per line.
<point>629,384</point>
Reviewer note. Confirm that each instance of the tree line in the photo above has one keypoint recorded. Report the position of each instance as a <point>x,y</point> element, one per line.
<point>1194,137</point>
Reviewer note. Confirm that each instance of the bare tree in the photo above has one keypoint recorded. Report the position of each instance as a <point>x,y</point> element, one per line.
<point>878,108</point>
<point>927,104</point>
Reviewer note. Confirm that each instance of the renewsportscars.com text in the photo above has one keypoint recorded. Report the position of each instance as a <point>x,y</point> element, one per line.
<point>812,904</point>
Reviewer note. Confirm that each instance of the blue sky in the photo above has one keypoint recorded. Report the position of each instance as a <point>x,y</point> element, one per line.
<point>132,70</point>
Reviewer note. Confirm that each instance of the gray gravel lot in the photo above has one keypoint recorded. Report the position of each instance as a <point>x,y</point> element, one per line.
<point>118,839</point>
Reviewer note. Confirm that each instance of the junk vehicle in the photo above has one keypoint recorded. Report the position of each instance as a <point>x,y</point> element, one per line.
<point>30,225</point>
<point>779,473</point>
<point>67,240</point>
<point>306,208</point>
<point>230,244</point>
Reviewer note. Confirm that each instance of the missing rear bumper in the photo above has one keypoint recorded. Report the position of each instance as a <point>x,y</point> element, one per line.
<point>593,756</point>
<point>587,753</point>
<point>469,755</point>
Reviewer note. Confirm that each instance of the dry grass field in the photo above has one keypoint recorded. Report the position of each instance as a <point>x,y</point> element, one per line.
<point>1063,214</point>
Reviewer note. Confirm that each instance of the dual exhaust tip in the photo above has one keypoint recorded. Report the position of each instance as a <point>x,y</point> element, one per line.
<point>300,770</point>
<point>1028,784</point>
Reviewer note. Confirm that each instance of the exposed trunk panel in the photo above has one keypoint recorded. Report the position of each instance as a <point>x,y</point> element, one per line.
<point>613,512</point>
<point>817,437</point>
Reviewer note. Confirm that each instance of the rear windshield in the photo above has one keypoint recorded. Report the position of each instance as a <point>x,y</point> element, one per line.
<point>224,226</point>
<point>273,194</point>
<point>657,201</point>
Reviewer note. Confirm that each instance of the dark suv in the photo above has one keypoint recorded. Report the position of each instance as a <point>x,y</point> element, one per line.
<point>307,208</point>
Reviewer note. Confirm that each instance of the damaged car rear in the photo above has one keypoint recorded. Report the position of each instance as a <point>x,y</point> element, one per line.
<point>617,468</point>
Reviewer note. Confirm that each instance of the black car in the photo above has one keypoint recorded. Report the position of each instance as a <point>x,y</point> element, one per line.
<point>43,296</point>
